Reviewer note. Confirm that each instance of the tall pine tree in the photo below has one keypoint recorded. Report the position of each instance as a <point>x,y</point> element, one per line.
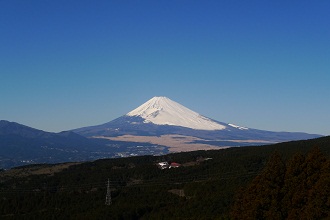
<point>299,189</point>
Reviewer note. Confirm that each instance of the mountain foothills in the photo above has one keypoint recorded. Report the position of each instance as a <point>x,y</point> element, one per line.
<point>288,180</point>
<point>21,145</point>
<point>157,127</point>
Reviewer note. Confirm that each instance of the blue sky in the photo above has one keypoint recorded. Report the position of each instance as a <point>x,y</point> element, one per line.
<point>66,64</point>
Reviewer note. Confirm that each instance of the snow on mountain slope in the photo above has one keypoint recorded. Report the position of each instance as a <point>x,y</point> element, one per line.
<point>238,127</point>
<point>164,111</point>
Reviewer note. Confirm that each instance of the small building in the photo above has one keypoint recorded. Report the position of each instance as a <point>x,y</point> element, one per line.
<point>175,165</point>
<point>163,165</point>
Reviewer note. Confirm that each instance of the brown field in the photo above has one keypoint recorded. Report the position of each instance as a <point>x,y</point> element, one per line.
<point>175,143</point>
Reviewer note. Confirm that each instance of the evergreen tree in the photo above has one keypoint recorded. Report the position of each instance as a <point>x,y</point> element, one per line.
<point>294,188</point>
<point>298,190</point>
<point>261,199</point>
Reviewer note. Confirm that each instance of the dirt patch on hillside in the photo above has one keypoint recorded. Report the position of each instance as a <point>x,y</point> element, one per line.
<point>45,169</point>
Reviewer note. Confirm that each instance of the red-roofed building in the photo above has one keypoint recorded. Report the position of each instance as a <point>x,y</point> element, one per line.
<point>174,165</point>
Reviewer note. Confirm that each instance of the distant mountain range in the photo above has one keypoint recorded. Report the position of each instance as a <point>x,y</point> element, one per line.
<point>156,127</point>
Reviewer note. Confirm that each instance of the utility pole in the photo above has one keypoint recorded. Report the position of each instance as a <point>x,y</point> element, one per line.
<point>108,196</point>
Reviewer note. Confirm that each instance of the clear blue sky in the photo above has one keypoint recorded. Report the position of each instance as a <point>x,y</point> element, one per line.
<point>66,64</point>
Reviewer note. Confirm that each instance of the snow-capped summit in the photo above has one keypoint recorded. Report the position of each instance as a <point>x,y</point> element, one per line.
<point>164,111</point>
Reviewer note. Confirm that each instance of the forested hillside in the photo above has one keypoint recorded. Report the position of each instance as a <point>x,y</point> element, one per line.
<point>297,189</point>
<point>204,187</point>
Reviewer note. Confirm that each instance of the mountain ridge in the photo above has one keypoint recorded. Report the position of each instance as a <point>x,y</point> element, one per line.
<point>22,145</point>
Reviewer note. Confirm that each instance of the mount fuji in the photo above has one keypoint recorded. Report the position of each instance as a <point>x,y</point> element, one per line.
<point>165,122</point>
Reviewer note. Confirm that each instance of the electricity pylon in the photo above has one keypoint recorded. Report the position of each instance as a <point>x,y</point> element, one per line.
<point>108,196</point>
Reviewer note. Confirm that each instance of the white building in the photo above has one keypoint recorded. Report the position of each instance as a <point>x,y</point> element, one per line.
<point>163,165</point>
